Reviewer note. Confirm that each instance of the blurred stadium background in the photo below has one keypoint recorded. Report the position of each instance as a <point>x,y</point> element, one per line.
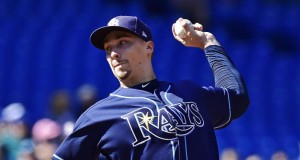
<point>45,48</point>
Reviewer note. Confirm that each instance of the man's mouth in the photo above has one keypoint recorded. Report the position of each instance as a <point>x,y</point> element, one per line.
<point>119,64</point>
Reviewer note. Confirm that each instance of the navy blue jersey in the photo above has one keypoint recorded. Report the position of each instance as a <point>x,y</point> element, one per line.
<point>158,120</point>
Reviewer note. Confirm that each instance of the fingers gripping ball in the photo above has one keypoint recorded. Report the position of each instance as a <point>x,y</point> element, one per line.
<point>179,29</point>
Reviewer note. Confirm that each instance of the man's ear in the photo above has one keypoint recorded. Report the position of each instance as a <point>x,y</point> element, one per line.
<point>150,46</point>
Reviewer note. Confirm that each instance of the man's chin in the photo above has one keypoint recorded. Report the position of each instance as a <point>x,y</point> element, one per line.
<point>122,75</point>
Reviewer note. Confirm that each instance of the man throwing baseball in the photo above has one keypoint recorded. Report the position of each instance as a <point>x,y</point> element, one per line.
<point>149,119</point>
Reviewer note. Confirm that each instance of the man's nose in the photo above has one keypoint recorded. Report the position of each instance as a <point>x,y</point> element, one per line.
<point>115,54</point>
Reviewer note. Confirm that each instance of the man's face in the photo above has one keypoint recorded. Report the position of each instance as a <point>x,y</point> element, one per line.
<point>127,55</point>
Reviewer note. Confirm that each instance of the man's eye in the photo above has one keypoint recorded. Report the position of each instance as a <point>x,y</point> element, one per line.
<point>107,49</point>
<point>123,42</point>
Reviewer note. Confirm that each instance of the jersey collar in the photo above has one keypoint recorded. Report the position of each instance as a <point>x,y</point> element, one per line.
<point>149,86</point>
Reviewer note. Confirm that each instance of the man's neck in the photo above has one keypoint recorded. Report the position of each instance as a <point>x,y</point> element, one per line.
<point>134,82</point>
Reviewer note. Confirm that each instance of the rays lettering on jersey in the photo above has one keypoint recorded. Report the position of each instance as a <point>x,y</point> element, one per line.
<point>166,123</point>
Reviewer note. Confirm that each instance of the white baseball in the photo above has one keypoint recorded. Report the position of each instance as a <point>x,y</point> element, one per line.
<point>179,30</point>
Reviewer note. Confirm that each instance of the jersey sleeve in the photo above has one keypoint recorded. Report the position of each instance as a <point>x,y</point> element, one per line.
<point>228,99</point>
<point>81,144</point>
<point>218,102</point>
